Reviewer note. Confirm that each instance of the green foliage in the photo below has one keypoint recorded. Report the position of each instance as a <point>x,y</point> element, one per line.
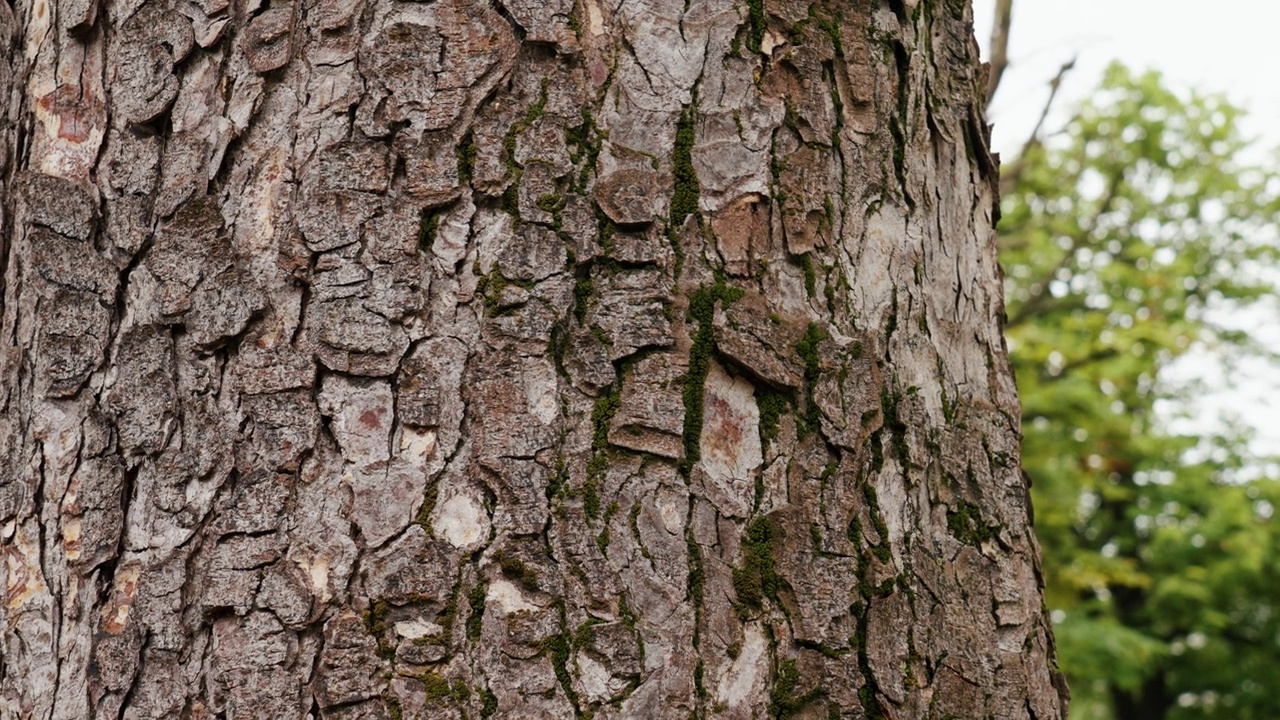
<point>1121,238</point>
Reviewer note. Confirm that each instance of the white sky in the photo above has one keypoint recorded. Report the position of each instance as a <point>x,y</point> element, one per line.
<point>1230,46</point>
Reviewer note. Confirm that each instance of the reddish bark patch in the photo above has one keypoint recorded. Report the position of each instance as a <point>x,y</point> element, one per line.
<point>78,114</point>
<point>725,426</point>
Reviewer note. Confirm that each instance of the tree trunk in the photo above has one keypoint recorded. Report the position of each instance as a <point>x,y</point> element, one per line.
<point>377,359</point>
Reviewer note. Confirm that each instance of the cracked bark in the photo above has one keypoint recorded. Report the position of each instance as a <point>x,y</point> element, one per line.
<point>527,359</point>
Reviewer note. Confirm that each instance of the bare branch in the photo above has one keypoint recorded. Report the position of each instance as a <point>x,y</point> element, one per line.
<point>999,46</point>
<point>1009,178</point>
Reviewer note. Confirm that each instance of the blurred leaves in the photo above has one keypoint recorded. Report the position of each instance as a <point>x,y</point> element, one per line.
<point>1126,240</point>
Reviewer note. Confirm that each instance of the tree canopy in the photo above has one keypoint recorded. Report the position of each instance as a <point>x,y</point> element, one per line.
<point>1126,239</point>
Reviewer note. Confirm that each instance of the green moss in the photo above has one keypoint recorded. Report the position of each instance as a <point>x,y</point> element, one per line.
<point>607,231</point>
<point>584,141</point>
<point>490,288</point>
<point>810,277</point>
<point>585,634</point>
<point>602,540</point>
<point>466,152</point>
<point>490,703</point>
<point>428,227</point>
<point>790,116</point>
<point>551,202</point>
<point>394,711</point>
<point>446,617</point>
<point>583,288</point>
<point>557,649</point>
<point>870,703</point>
<point>436,686</point>
<point>831,27</point>
<point>807,349</point>
<point>475,602</point>
<point>429,500</point>
<point>871,707</point>
<point>516,569</point>
<point>626,614</point>
<point>684,200</point>
<point>783,700</point>
<point>559,478</point>
<point>815,537</point>
<point>591,497</point>
<point>967,525</point>
<point>702,308</point>
<point>899,152</point>
<point>889,400</point>
<point>376,624</point>
<point>757,579</point>
<point>772,405</point>
<point>598,333</point>
<point>756,24</point>
<point>601,415</point>
<point>511,196</point>
<point>877,520</point>
<point>892,324</point>
<point>695,581</point>
<point>949,406</point>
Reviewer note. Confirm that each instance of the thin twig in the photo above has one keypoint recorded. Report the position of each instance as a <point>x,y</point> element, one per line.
<point>1009,178</point>
<point>999,46</point>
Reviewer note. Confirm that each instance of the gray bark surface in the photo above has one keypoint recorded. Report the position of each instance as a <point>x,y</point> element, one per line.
<point>511,358</point>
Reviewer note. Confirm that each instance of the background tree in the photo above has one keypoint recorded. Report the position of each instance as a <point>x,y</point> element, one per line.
<point>476,359</point>
<point>1137,234</point>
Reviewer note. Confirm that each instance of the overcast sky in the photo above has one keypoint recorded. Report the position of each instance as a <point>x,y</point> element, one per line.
<point>1228,46</point>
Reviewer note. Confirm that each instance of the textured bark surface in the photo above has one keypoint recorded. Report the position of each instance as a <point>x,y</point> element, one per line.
<point>511,358</point>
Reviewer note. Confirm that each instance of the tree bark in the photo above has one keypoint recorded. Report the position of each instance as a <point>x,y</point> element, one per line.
<point>378,359</point>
